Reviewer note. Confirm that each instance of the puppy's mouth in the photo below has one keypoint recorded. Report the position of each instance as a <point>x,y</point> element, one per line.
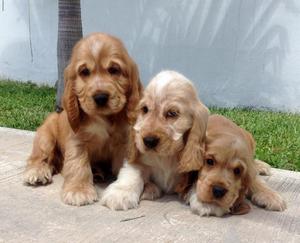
<point>144,149</point>
<point>101,99</point>
<point>154,141</point>
<point>216,194</point>
<point>108,103</point>
<point>151,142</point>
<point>159,145</point>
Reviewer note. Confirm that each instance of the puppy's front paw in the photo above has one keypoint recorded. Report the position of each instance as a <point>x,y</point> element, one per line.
<point>118,197</point>
<point>151,192</point>
<point>205,209</point>
<point>78,196</point>
<point>40,174</point>
<point>263,168</point>
<point>269,200</point>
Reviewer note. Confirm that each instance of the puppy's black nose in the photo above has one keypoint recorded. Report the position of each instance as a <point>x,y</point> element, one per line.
<point>101,99</point>
<point>218,192</point>
<point>151,142</point>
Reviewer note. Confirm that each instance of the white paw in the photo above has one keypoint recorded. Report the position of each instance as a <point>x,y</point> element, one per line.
<point>269,200</point>
<point>78,196</point>
<point>151,192</point>
<point>117,197</point>
<point>34,175</point>
<point>205,209</point>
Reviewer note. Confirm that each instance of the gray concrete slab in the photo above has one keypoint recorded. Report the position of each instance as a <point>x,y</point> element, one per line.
<point>29,214</point>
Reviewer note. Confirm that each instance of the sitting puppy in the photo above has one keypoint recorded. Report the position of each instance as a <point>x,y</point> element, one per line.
<point>230,173</point>
<point>169,133</point>
<point>102,89</point>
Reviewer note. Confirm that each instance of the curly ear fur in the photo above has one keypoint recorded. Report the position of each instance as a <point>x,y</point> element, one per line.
<point>240,206</point>
<point>134,94</point>
<point>250,140</point>
<point>193,152</point>
<point>133,99</point>
<point>132,152</point>
<point>252,170</point>
<point>186,182</point>
<point>70,101</point>
<point>251,173</point>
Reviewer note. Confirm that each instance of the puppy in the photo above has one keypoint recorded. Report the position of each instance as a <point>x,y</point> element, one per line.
<point>102,89</point>
<point>230,173</point>
<point>168,134</point>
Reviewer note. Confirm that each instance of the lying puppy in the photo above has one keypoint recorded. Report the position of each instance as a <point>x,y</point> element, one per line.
<point>230,173</point>
<point>102,89</point>
<point>167,137</point>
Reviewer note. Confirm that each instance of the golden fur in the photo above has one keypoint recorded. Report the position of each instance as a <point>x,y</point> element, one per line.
<point>230,167</point>
<point>86,133</point>
<point>171,112</point>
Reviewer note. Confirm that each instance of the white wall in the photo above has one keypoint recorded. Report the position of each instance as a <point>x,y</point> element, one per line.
<point>28,35</point>
<point>238,52</point>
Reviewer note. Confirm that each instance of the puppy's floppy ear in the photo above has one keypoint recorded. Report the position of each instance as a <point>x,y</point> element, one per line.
<point>134,94</point>
<point>252,169</point>
<point>132,152</point>
<point>250,140</point>
<point>240,206</point>
<point>253,182</point>
<point>186,182</point>
<point>192,155</point>
<point>70,101</point>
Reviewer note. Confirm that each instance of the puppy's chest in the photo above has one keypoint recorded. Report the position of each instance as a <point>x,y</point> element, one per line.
<point>102,136</point>
<point>164,173</point>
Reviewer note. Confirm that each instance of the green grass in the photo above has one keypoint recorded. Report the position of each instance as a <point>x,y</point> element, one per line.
<point>277,134</point>
<point>25,106</point>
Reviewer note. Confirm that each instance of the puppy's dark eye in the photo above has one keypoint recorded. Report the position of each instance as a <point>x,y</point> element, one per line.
<point>85,72</point>
<point>210,162</point>
<point>237,171</point>
<point>171,114</point>
<point>145,109</point>
<point>114,70</point>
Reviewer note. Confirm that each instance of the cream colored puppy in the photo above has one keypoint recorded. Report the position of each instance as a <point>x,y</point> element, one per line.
<point>167,137</point>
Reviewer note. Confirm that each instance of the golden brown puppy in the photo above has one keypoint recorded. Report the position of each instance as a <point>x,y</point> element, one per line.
<point>169,132</point>
<point>102,89</point>
<point>230,173</point>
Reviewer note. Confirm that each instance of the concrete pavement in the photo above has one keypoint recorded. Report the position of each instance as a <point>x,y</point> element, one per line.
<point>29,214</point>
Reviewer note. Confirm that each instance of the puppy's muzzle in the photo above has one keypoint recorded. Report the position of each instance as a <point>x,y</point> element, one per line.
<point>101,99</point>
<point>218,192</point>
<point>151,142</point>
